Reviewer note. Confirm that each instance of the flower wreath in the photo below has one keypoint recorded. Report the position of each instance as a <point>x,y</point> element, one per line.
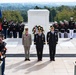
<point>36,28</point>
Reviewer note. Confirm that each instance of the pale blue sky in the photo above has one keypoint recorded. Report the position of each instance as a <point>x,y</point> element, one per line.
<point>24,1</point>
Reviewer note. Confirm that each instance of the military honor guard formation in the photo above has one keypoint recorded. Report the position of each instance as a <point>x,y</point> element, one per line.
<point>14,29</point>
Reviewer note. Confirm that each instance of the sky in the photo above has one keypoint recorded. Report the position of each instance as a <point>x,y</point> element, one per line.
<point>24,1</point>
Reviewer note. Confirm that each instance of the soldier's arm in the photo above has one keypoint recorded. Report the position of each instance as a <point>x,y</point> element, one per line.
<point>44,39</point>
<point>57,38</point>
<point>34,38</point>
<point>47,38</point>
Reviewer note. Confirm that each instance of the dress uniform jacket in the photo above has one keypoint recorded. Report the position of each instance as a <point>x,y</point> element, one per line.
<point>39,39</point>
<point>4,24</point>
<point>71,24</point>
<point>52,38</point>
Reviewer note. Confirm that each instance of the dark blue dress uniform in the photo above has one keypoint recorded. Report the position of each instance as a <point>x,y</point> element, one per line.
<point>14,30</point>
<point>39,41</point>
<point>52,39</point>
<point>5,26</point>
<point>2,47</point>
<point>21,28</point>
<point>71,25</point>
<point>10,29</point>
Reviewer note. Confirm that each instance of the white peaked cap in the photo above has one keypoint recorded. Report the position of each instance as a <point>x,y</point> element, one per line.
<point>60,21</point>
<point>55,22</point>
<point>64,20</point>
<point>25,27</point>
<point>71,17</point>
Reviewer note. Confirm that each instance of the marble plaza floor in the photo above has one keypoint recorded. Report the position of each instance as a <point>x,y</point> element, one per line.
<point>63,65</point>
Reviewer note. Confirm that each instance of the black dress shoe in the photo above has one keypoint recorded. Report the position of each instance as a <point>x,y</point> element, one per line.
<point>28,59</point>
<point>53,59</point>
<point>38,59</point>
<point>50,60</point>
<point>25,60</point>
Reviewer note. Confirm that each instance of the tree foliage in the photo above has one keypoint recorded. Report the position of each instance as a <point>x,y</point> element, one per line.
<point>56,13</point>
<point>12,15</point>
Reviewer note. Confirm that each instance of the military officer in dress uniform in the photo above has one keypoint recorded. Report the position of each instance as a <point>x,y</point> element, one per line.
<point>5,27</point>
<point>66,24</point>
<point>56,26</point>
<point>21,28</point>
<point>39,41</point>
<point>62,29</point>
<point>52,40</point>
<point>14,30</point>
<point>10,29</point>
<point>71,27</point>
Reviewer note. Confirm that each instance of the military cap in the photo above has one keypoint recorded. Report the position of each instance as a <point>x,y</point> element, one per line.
<point>55,22</point>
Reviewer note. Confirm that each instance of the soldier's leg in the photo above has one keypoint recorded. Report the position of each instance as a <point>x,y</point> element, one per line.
<point>15,34</point>
<point>37,49</point>
<point>50,52</point>
<point>20,34</point>
<point>54,51</point>
<point>72,33</point>
<point>41,53</point>
<point>4,32</point>
<point>3,66</point>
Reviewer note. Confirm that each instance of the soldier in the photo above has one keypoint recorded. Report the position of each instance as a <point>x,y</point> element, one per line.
<point>39,41</point>
<point>66,24</point>
<point>26,41</point>
<point>21,28</point>
<point>56,26</point>
<point>2,53</point>
<point>14,30</point>
<point>71,27</point>
<point>62,29</point>
<point>52,40</point>
<point>10,29</point>
<point>75,30</point>
<point>5,27</point>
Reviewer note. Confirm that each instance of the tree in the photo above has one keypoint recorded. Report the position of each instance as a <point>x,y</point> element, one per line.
<point>12,15</point>
<point>74,15</point>
<point>64,14</point>
<point>24,15</point>
<point>36,7</point>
